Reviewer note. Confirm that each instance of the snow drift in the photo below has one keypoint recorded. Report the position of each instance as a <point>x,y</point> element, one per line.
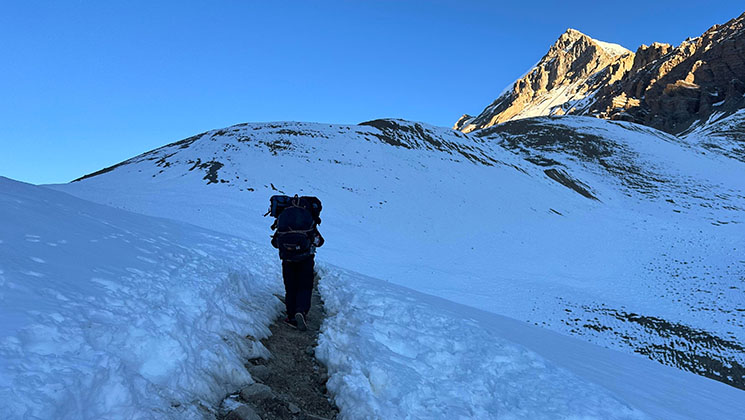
<point>109,314</point>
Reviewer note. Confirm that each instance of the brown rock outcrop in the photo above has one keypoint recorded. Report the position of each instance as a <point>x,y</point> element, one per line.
<point>574,66</point>
<point>675,89</point>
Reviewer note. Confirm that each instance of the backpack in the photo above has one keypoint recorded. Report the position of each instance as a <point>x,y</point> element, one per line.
<point>296,228</point>
<point>278,203</point>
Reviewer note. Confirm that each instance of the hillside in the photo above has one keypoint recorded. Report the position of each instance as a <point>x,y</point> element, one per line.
<point>110,314</point>
<point>612,232</point>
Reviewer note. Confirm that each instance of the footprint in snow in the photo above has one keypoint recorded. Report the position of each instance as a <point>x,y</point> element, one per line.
<point>32,273</point>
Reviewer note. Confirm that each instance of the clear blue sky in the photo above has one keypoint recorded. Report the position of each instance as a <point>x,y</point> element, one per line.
<point>86,84</point>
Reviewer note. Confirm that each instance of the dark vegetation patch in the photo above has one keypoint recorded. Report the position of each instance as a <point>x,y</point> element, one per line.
<point>564,179</point>
<point>533,138</point>
<point>102,171</point>
<point>277,146</point>
<point>211,168</point>
<point>181,144</point>
<point>537,135</point>
<point>736,137</point>
<point>306,133</point>
<point>414,136</point>
<point>673,344</point>
<point>163,162</point>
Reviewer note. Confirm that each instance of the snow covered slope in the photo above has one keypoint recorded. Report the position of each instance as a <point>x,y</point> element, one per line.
<point>722,133</point>
<point>109,314</point>
<point>613,232</point>
<point>396,353</point>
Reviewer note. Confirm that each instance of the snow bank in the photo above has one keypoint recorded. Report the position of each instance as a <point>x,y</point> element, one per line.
<point>392,355</point>
<point>393,352</point>
<point>108,314</point>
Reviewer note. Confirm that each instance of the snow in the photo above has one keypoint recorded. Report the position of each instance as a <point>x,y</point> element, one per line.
<point>386,217</point>
<point>720,133</point>
<point>393,355</point>
<point>396,353</point>
<point>129,316</point>
<point>503,243</point>
<point>108,314</point>
<point>614,50</point>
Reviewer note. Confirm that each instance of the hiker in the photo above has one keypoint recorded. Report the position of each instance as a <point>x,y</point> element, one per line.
<point>297,238</point>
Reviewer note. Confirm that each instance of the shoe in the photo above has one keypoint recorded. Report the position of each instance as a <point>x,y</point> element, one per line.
<point>300,321</point>
<point>291,322</point>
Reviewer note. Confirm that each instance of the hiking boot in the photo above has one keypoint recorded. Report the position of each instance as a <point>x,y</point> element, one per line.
<point>291,322</point>
<point>300,321</point>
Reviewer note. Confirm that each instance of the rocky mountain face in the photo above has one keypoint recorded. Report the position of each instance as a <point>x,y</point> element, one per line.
<point>575,67</point>
<point>678,90</point>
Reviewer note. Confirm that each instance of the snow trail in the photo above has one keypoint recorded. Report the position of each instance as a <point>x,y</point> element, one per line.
<point>296,380</point>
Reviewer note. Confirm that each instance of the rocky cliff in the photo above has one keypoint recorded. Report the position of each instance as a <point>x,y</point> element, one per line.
<point>675,89</point>
<point>574,68</point>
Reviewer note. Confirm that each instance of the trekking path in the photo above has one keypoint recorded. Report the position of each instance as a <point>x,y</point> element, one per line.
<point>291,384</point>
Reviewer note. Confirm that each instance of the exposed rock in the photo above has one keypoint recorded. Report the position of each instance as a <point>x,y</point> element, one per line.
<point>674,89</point>
<point>294,409</point>
<point>575,66</point>
<point>464,120</point>
<point>313,417</point>
<point>243,412</point>
<point>646,55</point>
<point>256,392</point>
<point>259,372</point>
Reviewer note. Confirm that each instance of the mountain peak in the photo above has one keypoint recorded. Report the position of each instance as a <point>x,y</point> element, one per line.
<point>674,89</point>
<point>571,36</point>
<point>571,32</point>
<point>563,76</point>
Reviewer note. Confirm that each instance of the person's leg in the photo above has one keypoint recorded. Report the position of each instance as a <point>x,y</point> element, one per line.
<point>289,275</point>
<point>304,285</point>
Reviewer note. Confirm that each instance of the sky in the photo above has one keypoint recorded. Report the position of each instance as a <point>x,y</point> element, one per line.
<point>87,84</point>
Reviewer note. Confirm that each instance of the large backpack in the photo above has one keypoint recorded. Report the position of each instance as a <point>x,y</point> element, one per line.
<point>296,228</point>
<point>278,203</point>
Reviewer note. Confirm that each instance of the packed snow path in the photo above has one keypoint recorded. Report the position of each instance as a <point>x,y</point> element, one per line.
<point>292,382</point>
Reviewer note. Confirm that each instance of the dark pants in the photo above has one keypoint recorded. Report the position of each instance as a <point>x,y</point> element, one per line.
<point>298,277</point>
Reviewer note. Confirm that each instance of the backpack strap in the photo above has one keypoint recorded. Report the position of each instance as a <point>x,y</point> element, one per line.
<point>296,231</point>
<point>295,201</point>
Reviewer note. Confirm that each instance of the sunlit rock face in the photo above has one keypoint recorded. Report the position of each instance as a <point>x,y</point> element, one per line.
<point>675,89</point>
<point>574,68</point>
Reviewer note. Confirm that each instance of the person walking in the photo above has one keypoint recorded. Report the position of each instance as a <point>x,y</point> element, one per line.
<point>297,238</point>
